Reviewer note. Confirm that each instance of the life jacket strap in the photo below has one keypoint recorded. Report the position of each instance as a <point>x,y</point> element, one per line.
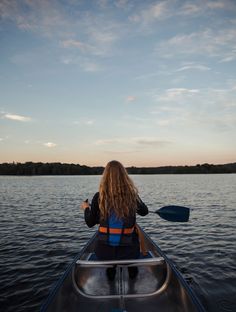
<point>103,229</point>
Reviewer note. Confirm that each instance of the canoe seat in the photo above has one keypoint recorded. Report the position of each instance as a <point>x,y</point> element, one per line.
<point>92,256</point>
<point>92,262</point>
<point>153,277</point>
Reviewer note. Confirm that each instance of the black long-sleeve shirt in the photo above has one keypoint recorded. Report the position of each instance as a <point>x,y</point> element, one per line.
<point>92,215</point>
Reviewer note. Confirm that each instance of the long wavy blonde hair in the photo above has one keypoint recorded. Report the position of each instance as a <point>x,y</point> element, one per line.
<point>117,192</point>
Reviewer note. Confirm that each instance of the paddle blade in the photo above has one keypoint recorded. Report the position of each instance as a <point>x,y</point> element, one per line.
<point>174,213</point>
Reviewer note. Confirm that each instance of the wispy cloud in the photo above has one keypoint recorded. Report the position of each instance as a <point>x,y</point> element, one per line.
<point>213,109</point>
<point>138,141</point>
<point>195,8</point>
<point>229,57</point>
<point>4,138</point>
<point>189,9</point>
<point>86,122</point>
<point>89,122</point>
<point>86,64</point>
<point>208,42</point>
<point>176,93</point>
<point>152,142</point>
<point>152,12</point>
<point>101,38</point>
<point>71,43</point>
<point>50,144</point>
<point>95,48</point>
<point>44,17</point>
<point>218,4</point>
<point>136,121</point>
<point>130,98</point>
<point>123,4</point>
<point>155,12</point>
<point>193,67</point>
<point>164,122</point>
<point>17,117</point>
<point>91,67</point>
<point>215,123</point>
<point>78,28</point>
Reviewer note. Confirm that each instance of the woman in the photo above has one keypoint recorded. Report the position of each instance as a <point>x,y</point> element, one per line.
<point>114,208</point>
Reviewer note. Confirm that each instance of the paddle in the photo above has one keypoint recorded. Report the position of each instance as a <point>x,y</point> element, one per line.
<point>174,213</point>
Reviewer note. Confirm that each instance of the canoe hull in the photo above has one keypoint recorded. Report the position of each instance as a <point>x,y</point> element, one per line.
<point>157,287</point>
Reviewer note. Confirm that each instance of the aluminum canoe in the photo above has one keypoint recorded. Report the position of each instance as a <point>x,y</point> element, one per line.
<point>158,287</point>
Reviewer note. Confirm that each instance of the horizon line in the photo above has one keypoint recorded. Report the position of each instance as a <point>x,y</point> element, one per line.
<point>102,166</point>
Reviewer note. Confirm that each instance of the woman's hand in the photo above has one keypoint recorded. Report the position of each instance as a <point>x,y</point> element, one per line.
<point>85,204</point>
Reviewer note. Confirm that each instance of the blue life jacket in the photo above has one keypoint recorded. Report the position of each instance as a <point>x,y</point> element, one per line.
<point>115,232</point>
<point>115,223</point>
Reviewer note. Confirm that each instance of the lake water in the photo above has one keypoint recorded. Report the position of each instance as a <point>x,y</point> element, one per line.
<point>42,229</point>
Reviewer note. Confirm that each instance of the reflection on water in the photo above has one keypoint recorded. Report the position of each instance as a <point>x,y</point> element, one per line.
<point>42,229</point>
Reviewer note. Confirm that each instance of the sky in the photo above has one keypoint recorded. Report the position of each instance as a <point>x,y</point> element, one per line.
<point>148,83</point>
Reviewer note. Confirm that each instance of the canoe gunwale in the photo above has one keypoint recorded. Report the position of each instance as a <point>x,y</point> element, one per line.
<point>57,285</point>
<point>190,292</point>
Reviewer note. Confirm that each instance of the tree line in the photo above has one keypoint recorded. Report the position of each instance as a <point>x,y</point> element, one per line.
<point>39,168</point>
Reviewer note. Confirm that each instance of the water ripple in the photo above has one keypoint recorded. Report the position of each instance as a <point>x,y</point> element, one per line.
<point>42,229</point>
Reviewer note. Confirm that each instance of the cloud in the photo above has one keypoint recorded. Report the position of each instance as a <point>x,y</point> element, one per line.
<point>134,141</point>
<point>44,17</point>
<point>102,3</point>
<point>217,4</point>
<point>108,141</point>
<point>86,64</point>
<point>91,67</point>
<point>130,98</point>
<point>152,142</point>
<point>166,71</point>
<point>193,67</point>
<point>218,122</point>
<point>152,12</point>
<point>209,43</point>
<point>17,117</point>
<point>96,49</point>
<point>94,39</point>
<point>202,7</point>
<point>167,9</point>
<point>190,9</point>
<point>122,4</point>
<point>229,57</point>
<point>162,10</point>
<point>176,93</point>
<point>102,37</point>
<point>210,109</point>
<point>86,122</point>
<point>164,122</point>
<point>89,122</point>
<point>71,43</point>
<point>135,121</point>
<point>71,24</point>
<point>50,144</point>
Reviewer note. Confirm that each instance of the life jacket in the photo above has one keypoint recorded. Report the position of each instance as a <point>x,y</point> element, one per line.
<point>116,232</point>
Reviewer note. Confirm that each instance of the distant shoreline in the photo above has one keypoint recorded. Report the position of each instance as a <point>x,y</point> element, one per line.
<point>39,168</point>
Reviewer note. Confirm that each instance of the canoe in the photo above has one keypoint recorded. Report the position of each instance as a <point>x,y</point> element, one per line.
<point>159,286</point>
